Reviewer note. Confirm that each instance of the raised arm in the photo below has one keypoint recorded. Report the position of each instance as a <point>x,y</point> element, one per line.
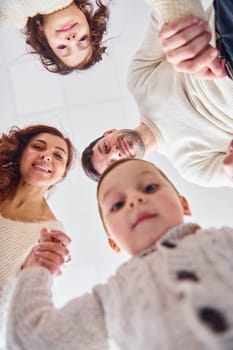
<point>185,38</point>
<point>159,46</point>
<point>148,57</point>
<point>34,322</point>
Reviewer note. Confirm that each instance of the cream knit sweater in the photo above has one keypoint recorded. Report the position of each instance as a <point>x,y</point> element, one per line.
<point>17,239</point>
<point>172,10</point>
<point>14,13</point>
<point>178,295</point>
<point>191,118</point>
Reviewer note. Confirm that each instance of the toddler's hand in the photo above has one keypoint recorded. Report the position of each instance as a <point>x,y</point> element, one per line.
<point>186,46</point>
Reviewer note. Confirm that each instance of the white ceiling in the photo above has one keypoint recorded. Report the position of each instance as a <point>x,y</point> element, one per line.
<point>83,105</point>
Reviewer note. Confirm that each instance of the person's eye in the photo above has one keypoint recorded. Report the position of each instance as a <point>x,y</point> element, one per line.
<point>83,38</point>
<point>105,148</point>
<point>61,47</point>
<point>58,156</point>
<point>116,206</point>
<point>39,147</point>
<point>150,188</point>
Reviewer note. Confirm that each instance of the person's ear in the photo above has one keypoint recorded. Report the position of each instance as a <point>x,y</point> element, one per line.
<point>185,205</point>
<point>107,132</point>
<point>113,245</point>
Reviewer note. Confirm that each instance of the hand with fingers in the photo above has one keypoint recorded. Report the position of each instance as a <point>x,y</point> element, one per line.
<point>51,252</point>
<point>186,44</point>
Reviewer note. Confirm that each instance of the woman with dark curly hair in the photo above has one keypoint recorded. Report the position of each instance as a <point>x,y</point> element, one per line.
<point>32,161</point>
<point>66,34</point>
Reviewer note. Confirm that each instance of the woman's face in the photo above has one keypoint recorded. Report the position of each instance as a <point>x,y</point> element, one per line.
<point>68,34</point>
<point>43,161</point>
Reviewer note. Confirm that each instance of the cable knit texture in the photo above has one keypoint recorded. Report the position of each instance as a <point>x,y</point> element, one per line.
<point>14,13</point>
<point>171,10</point>
<point>191,118</point>
<point>176,295</point>
<point>17,239</point>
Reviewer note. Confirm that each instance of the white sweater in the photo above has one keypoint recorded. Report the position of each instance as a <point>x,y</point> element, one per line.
<point>192,119</point>
<point>17,239</point>
<point>14,13</point>
<point>178,295</point>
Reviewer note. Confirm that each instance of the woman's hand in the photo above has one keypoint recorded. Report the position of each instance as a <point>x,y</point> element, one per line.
<point>186,46</point>
<point>51,252</point>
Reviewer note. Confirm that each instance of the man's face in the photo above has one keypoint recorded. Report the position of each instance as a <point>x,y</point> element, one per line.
<point>116,145</point>
<point>228,161</point>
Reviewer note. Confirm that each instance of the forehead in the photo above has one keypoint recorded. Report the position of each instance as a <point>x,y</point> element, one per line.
<point>125,174</point>
<point>50,140</point>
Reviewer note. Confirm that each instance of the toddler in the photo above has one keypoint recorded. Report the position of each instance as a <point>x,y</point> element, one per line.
<point>176,292</point>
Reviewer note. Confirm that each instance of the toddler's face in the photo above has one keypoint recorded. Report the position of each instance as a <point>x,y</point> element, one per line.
<point>68,34</point>
<point>138,205</point>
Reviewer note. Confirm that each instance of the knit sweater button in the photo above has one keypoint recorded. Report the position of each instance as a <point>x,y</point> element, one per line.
<point>168,244</point>
<point>187,275</point>
<point>213,318</point>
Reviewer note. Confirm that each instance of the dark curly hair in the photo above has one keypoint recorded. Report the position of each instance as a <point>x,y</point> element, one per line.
<point>86,162</point>
<point>98,26</point>
<point>12,146</point>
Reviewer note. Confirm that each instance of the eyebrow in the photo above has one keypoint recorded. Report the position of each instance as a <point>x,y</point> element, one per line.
<point>57,147</point>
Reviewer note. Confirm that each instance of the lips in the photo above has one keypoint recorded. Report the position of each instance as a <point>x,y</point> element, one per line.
<point>124,147</point>
<point>66,28</point>
<point>42,167</point>
<point>143,217</point>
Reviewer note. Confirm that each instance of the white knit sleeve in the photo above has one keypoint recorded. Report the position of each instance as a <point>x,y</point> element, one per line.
<point>169,11</point>
<point>12,14</point>
<point>35,323</point>
<point>146,59</point>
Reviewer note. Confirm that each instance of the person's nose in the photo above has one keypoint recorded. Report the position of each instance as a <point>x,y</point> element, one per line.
<point>46,156</point>
<point>117,153</point>
<point>71,36</point>
<point>136,199</point>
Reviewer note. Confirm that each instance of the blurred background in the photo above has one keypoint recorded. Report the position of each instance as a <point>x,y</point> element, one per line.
<point>83,105</point>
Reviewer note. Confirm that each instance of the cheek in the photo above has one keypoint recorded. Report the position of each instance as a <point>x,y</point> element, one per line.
<point>115,225</point>
<point>25,158</point>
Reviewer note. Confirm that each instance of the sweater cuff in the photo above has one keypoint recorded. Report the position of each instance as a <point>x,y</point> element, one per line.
<point>169,11</point>
<point>35,276</point>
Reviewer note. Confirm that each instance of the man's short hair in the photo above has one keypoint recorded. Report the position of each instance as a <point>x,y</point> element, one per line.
<point>86,161</point>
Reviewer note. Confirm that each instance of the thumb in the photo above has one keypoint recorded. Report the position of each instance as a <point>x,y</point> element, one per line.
<point>45,235</point>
